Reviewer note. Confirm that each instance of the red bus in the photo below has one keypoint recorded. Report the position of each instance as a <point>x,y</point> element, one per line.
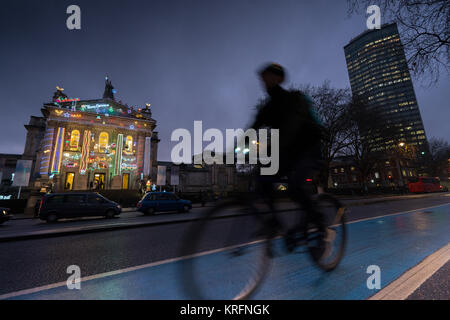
<point>425,184</point>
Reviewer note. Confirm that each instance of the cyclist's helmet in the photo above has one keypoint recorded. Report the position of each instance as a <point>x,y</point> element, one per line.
<point>273,68</point>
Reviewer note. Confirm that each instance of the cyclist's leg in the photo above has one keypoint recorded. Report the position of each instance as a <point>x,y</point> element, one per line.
<point>264,188</point>
<point>300,193</point>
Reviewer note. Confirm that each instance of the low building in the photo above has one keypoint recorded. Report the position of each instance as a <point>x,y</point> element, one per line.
<point>195,178</point>
<point>7,169</point>
<point>387,172</point>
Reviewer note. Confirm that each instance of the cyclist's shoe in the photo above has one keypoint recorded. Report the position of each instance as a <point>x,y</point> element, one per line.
<point>323,246</point>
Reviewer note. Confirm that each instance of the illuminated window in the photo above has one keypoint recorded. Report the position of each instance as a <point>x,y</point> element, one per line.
<point>103,141</point>
<point>129,145</point>
<point>125,181</point>
<point>74,139</point>
<point>69,181</point>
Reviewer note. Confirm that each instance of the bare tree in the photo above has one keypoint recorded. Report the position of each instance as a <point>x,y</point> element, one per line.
<point>330,105</point>
<point>368,132</point>
<point>424,28</point>
<point>364,124</point>
<point>437,160</point>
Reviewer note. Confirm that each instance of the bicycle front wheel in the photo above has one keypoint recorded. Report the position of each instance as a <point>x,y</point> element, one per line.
<point>226,253</point>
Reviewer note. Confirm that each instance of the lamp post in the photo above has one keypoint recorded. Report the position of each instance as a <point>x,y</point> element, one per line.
<point>401,145</point>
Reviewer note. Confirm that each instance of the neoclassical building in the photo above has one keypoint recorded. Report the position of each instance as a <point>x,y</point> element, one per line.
<point>92,144</point>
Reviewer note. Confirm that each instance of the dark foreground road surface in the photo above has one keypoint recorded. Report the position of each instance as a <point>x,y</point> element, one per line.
<point>34,263</point>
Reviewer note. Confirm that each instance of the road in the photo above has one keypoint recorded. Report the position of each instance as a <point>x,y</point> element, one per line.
<point>36,227</point>
<point>404,233</point>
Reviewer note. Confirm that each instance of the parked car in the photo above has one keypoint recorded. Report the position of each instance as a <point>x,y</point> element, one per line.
<point>55,206</point>
<point>425,184</point>
<point>162,201</point>
<point>4,215</point>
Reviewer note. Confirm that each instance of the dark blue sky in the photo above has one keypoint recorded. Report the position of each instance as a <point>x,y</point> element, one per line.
<point>191,59</point>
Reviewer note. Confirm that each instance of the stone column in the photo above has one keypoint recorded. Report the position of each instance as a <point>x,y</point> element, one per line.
<point>35,135</point>
<point>154,156</point>
<point>140,154</point>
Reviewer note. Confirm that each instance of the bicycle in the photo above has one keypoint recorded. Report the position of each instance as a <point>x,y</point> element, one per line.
<point>254,238</point>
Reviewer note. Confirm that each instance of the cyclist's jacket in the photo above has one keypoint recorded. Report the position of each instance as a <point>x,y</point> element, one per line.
<point>300,131</point>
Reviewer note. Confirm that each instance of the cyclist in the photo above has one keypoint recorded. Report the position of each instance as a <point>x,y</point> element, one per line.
<point>300,135</point>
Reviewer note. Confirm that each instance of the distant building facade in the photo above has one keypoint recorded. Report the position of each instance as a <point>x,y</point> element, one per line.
<point>102,144</point>
<point>379,73</point>
<point>391,171</point>
<point>216,178</point>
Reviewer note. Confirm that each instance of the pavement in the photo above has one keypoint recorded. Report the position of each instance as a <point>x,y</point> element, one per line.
<point>437,287</point>
<point>143,263</point>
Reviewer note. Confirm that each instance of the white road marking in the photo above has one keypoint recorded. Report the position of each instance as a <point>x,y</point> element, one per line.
<point>404,286</point>
<point>397,213</point>
<point>119,271</point>
<point>161,262</point>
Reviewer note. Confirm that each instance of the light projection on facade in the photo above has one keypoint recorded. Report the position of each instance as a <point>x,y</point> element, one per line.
<point>100,139</point>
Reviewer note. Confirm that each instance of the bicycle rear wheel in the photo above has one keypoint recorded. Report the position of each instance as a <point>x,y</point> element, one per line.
<point>225,257</point>
<point>328,251</point>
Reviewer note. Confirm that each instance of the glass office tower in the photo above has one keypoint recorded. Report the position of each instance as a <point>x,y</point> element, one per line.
<point>379,73</point>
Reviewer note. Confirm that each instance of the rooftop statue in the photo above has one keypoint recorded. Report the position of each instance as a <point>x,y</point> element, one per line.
<point>59,94</point>
<point>109,90</point>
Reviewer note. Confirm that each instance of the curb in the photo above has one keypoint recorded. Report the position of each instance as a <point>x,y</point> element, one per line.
<point>131,209</point>
<point>365,202</point>
<point>402,287</point>
<point>419,196</point>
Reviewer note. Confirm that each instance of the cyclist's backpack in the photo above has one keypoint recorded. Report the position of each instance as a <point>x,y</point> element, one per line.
<point>309,116</point>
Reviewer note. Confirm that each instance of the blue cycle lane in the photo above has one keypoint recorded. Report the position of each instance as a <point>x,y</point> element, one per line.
<point>395,243</point>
